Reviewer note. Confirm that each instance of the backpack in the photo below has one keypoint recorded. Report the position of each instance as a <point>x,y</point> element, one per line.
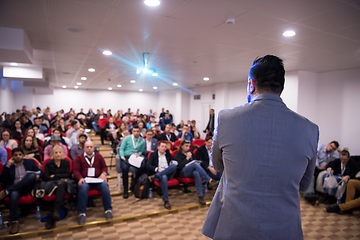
<point>142,187</point>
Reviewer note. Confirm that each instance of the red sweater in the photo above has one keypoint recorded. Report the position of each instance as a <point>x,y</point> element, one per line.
<point>80,168</point>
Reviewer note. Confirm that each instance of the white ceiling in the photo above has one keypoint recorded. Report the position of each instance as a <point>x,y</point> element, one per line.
<point>187,39</point>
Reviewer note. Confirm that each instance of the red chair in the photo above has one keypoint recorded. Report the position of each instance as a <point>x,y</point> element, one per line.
<point>173,154</point>
<point>17,141</point>
<point>195,153</point>
<point>24,200</point>
<point>117,122</point>
<point>42,142</point>
<point>68,152</point>
<point>172,182</point>
<point>9,154</point>
<point>198,142</point>
<point>177,144</point>
<point>102,123</point>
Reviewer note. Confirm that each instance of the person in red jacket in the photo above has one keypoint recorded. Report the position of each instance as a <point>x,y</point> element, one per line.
<point>91,166</point>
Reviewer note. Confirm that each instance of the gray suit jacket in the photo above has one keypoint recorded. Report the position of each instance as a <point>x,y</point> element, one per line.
<point>267,154</point>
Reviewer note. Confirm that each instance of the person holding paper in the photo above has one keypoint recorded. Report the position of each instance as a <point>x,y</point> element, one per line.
<point>17,182</point>
<point>131,145</point>
<point>159,164</point>
<point>193,170</point>
<point>91,164</point>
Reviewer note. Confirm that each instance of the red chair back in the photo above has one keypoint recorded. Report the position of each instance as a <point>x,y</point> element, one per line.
<point>195,153</point>
<point>16,141</point>
<point>174,153</point>
<point>48,159</point>
<point>148,156</point>
<point>177,144</point>
<point>117,122</point>
<point>102,122</point>
<point>198,142</point>
<point>9,153</point>
<point>42,142</point>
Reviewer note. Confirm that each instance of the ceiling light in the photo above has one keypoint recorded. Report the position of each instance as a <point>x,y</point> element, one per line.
<point>14,64</point>
<point>175,84</point>
<point>76,87</point>
<point>152,2</point>
<point>63,86</point>
<point>91,69</point>
<point>83,78</point>
<point>140,90</point>
<point>289,33</point>
<point>119,85</point>
<point>206,79</point>
<point>109,88</point>
<point>133,81</point>
<point>154,87</point>
<point>107,52</point>
<point>154,74</point>
<point>78,83</point>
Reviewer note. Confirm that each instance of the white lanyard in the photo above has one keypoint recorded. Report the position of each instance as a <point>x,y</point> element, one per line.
<point>92,159</point>
<point>342,169</point>
<point>132,138</point>
<point>168,138</point>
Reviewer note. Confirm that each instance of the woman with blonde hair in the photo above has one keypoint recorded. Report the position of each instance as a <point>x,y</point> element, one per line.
<point>56,174</point>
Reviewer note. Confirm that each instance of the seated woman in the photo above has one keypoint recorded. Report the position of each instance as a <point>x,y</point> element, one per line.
<point>344,169</point>
<point>110,130</point>
<point>37,142</point>
<point>18,132</point>
<point>30,151</point>
<point>57,172</point>
<point>193,170</point>
<point>6,140</point>
<point>120,132</point>
<point>62,126</point>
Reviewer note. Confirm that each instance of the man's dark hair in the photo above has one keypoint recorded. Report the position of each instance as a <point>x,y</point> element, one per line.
<point>18,149</point>
<point>162,141</point>
<point>149,130</point>
<point>82,135</point>
<point>35,125</point>
<point>136,126</point>
<point>268,73</point>
<point>73,123</point>
<point>57,129</point>
<point>336,143</point>
<point>345,153</point>
<point>208,138</point>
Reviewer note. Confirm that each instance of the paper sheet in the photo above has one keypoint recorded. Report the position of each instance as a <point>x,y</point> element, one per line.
<point>93,180</point>
<point>135,161</point>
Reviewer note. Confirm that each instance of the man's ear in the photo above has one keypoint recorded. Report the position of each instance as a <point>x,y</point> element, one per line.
<point>252,86</point>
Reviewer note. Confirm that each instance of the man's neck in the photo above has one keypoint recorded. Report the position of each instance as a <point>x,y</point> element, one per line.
<point>161,154</point>
<point>136,138</point>
<point>81,145</point>
<point>19,163</point>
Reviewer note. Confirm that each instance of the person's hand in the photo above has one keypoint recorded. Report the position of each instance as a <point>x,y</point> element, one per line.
<point>212,170</point>
<point>52,176</point>
<point>345,179</point>
<point>321,168</point>
<point>10,162</point>
<point>102,176</point>
<point>160,170</point>
<point>81,182</point>
<point>328,169</point>
<point>37,177</point>
<point>137,155</point>
<point>123,158</point>
<point>188,155</point>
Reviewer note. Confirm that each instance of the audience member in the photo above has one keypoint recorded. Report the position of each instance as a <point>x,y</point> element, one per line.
<point>3,156</point>
<point>18,132</point>
<point>187,168</point>
<point>166,120</point>
<point>180,126</point>
<point>173,129</point>
<point>29,149</point>
<point>37,133</point>
<point>75,138</point>
<point>6,140</point>
<point>37,142</point>
<point>72,131</point>
<point>54,141</point>
<point>167,135</point>
<point>91,165</point>
<point>194,130</point>
<point>204,155</point>
<point>161,169</point>
<point>186,134</point>
<point>56,174</point>
<point>17,182</point>
<point>150,143</point>
<point>78,148</point>
<point>62,126</point>
<point>110,130</point>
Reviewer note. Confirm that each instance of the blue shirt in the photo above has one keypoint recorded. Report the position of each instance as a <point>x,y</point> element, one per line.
<point>188,136</point>
<point>3,156</point>
<point>324,157</point>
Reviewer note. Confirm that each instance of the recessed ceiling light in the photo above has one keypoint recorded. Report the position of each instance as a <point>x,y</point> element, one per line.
<point>83,78</point>
<point>14,64</point>
<point>152,2</point>
<point>119,85</point>
<point>133,81</point>
<point>289,33</point>
<point>91,69</point>
<point>107,52</point>
<point>63,86</point>
<point>154,87</point>
<point>206,79</point>
<point>76,87</point>
<point>109,88</point>
<point>140,90</point>
<point>78,83</point>
<point>175,84</point>
<point>154,74</point>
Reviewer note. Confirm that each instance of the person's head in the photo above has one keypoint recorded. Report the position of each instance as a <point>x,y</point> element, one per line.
<point>6,135</point>
<point>71,117</point>
<point>185,146</point>
<point>162,109</point>
<point>182,123</point>
<point>82,138</point>
<point>208,142</point>
<point>186,128</point>
<point>55,140</point>
<point>56,132</point>
<point>89,147</point>
<point>167,128</point>
<point>166,115</point>
<point>193,123</point>
<point>35,128</point>
<point>111,120</point>
<point>267,75</point>
<point>138,118</point>
<point>149,134</point>
<point>136,131</point>
<point>75,124</point>
<point>168,145</point>
<point>57,153</point>
<point>150,111</point>
<point>332,146</point>
<point>141,125</point>
<point>161,147</point>
<point>126,132</point>
<point>152,119</point>
<point>28,142</point>
<point>212,111</point>
<point>344,156</point>
<point>81,130</point>
<point>62,122</point>
<point>17,154</point>
<point>155,129</point>
<point>17,124</point>
<point>98,111</point>
<point>173,128</point>
<point>122,126</point>
<point>30,132</point>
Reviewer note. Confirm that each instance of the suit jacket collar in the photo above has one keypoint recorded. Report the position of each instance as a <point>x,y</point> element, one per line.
<point>268,96</point>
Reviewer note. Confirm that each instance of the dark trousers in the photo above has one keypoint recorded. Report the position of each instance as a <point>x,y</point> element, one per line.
<point>22,188</point>
<point>59,195</point>
<point>125,166</point>
<point>215,177</point>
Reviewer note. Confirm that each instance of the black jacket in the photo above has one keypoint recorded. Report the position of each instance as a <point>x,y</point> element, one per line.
<point>203,156</point>
<point>153,161</point>
<point>163,137</point>
<point>350,169</point>
<point>181,159</point>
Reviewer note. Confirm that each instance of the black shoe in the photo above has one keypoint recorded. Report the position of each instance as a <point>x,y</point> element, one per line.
<point>50,224</point>
<point>345,212</point>
<point>311,198</point>
<point>330,200</point>
<point>126,194</point>
<point>331,209</point>
<point>56,215</point>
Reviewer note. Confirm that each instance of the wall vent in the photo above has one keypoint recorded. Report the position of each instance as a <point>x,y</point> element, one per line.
<point>197,97</point>
<point>213,96</point>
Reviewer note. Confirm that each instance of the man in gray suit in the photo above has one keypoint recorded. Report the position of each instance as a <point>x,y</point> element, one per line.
<point>265,162</point>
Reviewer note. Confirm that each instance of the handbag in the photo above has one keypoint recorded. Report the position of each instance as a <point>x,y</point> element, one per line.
<point>341,189</point>
<point>330,181</point>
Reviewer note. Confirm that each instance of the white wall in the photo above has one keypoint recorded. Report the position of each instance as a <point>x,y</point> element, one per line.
<point>6,97</point>
<point>307,95</point>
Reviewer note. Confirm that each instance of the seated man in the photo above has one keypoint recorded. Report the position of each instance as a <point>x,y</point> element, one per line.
<point>186,134</point>
<point>37,133</point>
<point>91,164</point>
<point>54,141</point>
<point>75,138</point>
<point>78,148</point>
<point>72,131</point>
<point>17,183</point>
<point>3,156</point>
<point>150,142</point>
<point>204,154</point>
<point>350,202</point>
<point>132,144</point>
<point>193,129</point>
<point>159,164</point>
<point>111,129</point>
<point>166,120</point>
<point>167,135</point>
